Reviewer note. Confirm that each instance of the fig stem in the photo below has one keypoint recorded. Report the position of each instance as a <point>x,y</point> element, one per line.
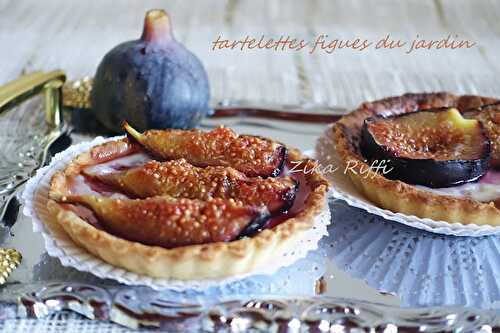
<point>131,131</point>
<point>157,28</point>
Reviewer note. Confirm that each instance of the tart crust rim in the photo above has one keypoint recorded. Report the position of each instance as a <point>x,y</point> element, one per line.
<point>205,261</point>
<point>396,195</point>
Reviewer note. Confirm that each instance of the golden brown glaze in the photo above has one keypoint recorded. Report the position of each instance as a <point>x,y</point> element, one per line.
<point>169,222</point>
<point>180,179</point>
<point>251,155</point>
<point>429,135</point>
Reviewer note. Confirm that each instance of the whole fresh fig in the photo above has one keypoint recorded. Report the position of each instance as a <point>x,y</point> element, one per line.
<point>152,82</point>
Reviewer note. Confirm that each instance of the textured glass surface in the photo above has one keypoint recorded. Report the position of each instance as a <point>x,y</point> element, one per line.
<point>398,264</point>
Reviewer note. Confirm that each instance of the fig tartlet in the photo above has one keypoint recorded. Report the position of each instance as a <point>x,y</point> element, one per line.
<point>449,175</point>
<point>188,205</point>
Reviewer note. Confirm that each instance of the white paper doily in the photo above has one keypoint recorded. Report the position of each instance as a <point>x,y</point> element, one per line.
<point>342,188</point>
<point>421,268</point>
<point>58,244</point>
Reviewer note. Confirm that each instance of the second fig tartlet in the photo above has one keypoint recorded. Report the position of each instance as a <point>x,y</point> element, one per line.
<point>476,202</point>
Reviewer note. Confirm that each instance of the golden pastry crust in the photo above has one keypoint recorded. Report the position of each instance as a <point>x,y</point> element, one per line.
<point>398,196</point>
<point>198,262</point>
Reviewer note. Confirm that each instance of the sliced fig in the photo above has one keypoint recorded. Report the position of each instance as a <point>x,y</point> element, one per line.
<point>180,179</point>
<point>168,222</point>
<point>251,155</point>
<point>434,148</point>
<point>489,116</point>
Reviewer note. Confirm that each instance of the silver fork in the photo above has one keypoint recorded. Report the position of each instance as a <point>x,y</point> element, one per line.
<point>14,93</point>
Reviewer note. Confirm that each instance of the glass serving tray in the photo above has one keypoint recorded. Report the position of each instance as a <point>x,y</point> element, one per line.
<point>368,274</point>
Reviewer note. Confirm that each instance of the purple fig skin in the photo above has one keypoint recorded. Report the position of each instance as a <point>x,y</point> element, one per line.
<point>153,82</point>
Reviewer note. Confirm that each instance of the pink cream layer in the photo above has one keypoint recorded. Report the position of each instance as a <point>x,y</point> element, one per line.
<point>487,189</point>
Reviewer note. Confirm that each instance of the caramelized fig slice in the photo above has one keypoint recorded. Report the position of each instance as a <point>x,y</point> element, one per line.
<point>168,222</point>
<point>489,116</point>
<point>434,148</point>
<point>251,155</point>
<point>180,179</point>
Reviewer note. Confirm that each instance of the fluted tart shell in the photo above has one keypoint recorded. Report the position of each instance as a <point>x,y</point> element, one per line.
<point>396,195</point>
<point>191,262</point>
